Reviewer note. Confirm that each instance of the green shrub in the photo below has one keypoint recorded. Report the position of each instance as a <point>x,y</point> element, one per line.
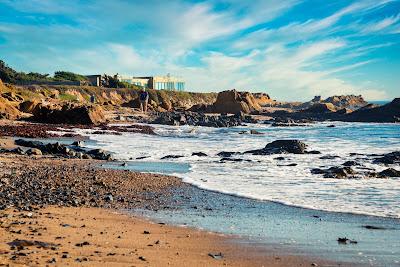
<point>68,76</point>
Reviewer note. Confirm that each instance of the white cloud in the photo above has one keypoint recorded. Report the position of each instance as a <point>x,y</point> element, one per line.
<point>380,25</point>
<point>297,60</point>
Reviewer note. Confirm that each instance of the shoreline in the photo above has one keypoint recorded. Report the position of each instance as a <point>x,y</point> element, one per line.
<point>36,224</point>
<point>153,200</point>
<point>93,236</point>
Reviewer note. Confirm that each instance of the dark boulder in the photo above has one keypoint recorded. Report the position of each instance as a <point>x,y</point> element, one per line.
<point>172,157</point>
<point>199,154</point>
<point>335,172</point>
<point>390,172</point>
<point>232,159</point>
<point>99,154</point>
<point>226,154</point>
<point>350,163</point>
<point>389,158</point>
<point>34,151</point>
<point>281,147</point>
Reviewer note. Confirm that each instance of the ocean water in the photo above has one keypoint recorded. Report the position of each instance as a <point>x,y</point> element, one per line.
<point>264,177</point>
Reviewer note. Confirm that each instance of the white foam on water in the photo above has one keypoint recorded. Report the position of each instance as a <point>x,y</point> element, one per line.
<point>263,178</point>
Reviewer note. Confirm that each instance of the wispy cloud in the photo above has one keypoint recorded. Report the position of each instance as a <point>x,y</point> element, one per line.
<point>269,45</point>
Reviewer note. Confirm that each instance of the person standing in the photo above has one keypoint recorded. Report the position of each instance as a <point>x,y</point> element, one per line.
<point>143,99</point>
<point>92,99</point>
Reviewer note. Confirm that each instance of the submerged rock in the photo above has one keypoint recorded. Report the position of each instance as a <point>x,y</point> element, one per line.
<point>226,154</point>
<point>172,157</point>
<point>335,172</point>
<point>389,158</point>
<point>198,119</point>
<point>390,172</point>
<point>199,154</point>
<point>281,147</point>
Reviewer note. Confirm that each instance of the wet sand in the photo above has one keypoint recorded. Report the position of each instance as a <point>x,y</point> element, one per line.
<point>94,236</point>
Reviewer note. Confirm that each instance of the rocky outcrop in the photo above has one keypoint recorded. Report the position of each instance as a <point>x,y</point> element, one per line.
<point>69,114</point>
<point>71,151</point>
<point>263,99</point>
<point>233,101</point>
<point>351,102</point>
<point>386,113</point>
<point>29,106</point>
<point>7,108</point>
<point>321,108</point>
<point>347,101</point>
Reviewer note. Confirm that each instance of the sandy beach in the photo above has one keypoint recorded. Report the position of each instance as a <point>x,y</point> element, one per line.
<point>43,223</point>
<point>94,236</point>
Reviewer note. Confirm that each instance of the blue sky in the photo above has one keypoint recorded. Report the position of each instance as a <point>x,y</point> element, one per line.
<point>291,49</point>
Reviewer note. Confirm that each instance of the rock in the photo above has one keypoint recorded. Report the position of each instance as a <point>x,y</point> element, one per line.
<point>196,119</point>
<point>280,147</point>
<point>386,113</point>
<point>8,110</point>
<point>372,227</point>
<point>321,108</point>
<point>13,97</point>
<point>329,157</point>
<point>389,158</point>
<point>172,157</point>
<point>345,240</point>
<point>69,114</point>
<point>78,143</point>
<point>99,154</point>
<point>29,243</point>
<point>34,151</point>
<point>109,198</point>
<point>199,154</point>
<point>216,256</point>
<point>263,99</point>
<point>165,101</point>
<point>255,132</point>
<point>335,172</point>
<point>232,101</point>
<point>288,165</point>
<point>231,159</point>
<point>344,111</point>
<point>346,101</point>
<point>18,151</point>
<point>350,163</point>
<point>29,106</point>
<point>226,154</point>
<point>390,172</point>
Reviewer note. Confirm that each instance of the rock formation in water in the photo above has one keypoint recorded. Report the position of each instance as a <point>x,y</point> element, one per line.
<point>386,113</point>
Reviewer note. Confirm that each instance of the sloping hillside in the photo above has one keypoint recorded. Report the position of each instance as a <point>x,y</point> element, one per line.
<point>14,97</point>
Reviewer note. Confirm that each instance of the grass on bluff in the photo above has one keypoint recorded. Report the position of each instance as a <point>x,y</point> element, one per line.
<point>68,97</point>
